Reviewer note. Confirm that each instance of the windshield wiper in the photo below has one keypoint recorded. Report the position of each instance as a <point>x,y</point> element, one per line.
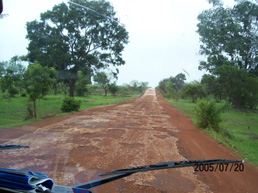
<point>26,181</point>
<point>4,147</point>
<point>167,165</point>
<point>117,174</point>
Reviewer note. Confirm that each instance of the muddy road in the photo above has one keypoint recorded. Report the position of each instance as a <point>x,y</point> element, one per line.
<point>76,148</point>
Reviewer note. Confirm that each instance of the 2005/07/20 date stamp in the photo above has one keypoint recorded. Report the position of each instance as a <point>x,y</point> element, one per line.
<point>221,167</point>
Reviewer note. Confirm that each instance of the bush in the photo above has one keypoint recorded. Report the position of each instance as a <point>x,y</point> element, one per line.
<point>208,114</point>
<point>23,95</point>
<point>113,88</point>
<point>13,91</point>
<point>70,104</point>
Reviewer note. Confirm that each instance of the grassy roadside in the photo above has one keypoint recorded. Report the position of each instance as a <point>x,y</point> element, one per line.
<point>240,129</point>
<point>13,110</point>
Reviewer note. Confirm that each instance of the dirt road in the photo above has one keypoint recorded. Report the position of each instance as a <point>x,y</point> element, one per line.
<point>75,148</point>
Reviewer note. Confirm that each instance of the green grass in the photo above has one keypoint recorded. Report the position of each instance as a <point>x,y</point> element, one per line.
<point>239,129</point>
<point>13,110</point>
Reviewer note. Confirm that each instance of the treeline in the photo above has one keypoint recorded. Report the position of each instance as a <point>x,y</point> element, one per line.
<point>232,84</point>
<point>172,87</point>
<point>16,79</point>
<point>37,81</point>
<point>176,87</point>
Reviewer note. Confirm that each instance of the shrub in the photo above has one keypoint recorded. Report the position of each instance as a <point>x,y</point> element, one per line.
<point>23,95</point>
<point>113,88</point>
<point>13,91</point>
<point>208,114</point>
<point>70,104</point>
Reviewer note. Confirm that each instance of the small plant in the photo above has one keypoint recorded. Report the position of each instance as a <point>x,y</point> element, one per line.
<point>208,114</point>
<point>70,104</point>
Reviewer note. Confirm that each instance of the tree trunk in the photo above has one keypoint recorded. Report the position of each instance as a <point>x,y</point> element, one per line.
<point>72,86</point>
<point>35,110</point>
<point>106,92</point>
<point>55,88</point>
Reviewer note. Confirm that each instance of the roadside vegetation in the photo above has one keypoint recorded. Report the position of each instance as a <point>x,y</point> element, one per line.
<point>224,103</point>
<point>234,127</point>
<point>14,110</point>
<point>238,130</point>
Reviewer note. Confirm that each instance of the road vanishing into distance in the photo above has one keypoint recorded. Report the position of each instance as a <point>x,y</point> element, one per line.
<point>76,148</point>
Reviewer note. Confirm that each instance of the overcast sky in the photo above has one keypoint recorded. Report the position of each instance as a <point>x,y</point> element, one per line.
<point>162,35</point>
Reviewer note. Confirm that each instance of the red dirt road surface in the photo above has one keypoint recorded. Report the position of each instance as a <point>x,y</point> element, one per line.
<point>76,148</point>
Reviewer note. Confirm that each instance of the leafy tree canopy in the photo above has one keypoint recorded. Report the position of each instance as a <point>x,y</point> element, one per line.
<point>195,90</point>
<point>176,83</point>
<point>11,75</point>
<point>71,38</point>
<point>113,88</point>
<point>212,85</point>
<point>138,86</point>
<point>229,35</point>
<point>103,80</point>
<point>240,88</point>
<point>37,81</point>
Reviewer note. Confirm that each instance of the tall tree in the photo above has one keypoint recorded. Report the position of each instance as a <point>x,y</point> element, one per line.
<point>72,38</point>
<point>229,35</point>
